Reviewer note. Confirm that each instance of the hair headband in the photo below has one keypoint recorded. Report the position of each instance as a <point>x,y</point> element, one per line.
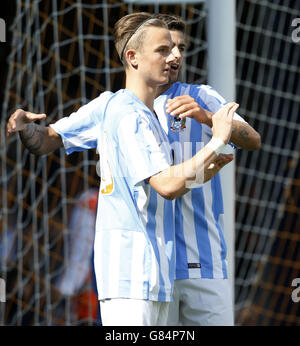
<point>133,32</point>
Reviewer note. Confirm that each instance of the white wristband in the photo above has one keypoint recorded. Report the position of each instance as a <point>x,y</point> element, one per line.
<point>216,144</point>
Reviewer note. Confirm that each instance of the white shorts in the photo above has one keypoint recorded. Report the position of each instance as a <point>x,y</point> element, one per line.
<point>201,302</point>
<point>133,312</point>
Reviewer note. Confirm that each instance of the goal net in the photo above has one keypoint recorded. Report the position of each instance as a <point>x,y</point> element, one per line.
<point>61,57</point>
<point>267,181</point>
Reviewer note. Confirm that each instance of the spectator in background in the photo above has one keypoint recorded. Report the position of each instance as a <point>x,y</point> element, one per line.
<point>78,278</point>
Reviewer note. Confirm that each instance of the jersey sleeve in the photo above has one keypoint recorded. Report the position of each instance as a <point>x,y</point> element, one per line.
<point>80,130</point>
<point>143,151</point>
<point>211,100</point>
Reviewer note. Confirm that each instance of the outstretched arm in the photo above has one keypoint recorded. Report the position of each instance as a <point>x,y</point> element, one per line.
<point>38,139</point>
<point>243,135</point>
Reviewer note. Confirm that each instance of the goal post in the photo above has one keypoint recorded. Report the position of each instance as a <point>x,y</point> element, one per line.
<point>221,76</point>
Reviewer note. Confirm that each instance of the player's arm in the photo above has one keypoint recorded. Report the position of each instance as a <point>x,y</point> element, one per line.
<point>177,180</point>
<point>36,138</point>
<point>243,135</point>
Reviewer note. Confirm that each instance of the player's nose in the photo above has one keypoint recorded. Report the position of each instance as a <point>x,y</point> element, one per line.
<point>176,52</point>
<point>171,57</point>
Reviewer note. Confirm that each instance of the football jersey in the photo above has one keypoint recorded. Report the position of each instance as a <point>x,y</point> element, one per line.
<point>134,240</point>
<point>200,243</point>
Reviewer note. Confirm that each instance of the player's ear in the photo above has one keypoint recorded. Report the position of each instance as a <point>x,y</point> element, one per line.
<point>131,56</point>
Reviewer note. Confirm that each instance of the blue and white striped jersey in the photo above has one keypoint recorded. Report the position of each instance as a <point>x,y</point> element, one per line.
<point>200,243</point>
<point>134,241</point>
<point>79,131</point>
<point>134,244</point>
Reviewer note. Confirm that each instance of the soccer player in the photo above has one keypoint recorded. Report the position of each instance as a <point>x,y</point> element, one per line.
<point>134,244</point>
<point>202,293</point>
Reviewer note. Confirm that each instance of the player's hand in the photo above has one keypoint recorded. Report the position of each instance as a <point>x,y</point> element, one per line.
<point>222,121</point>
<point>221,161</point>
<point>185,106</point>
<point>19,119</point>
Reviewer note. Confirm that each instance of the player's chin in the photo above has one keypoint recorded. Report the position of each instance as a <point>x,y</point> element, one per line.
<point>173,76</point>
<point>165,78</point>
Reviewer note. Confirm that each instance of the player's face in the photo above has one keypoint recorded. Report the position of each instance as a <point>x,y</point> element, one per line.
<point>155,57</point>
<point>178,50</point>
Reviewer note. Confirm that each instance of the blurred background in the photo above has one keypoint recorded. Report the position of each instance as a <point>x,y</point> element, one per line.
<point>58,55</point>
